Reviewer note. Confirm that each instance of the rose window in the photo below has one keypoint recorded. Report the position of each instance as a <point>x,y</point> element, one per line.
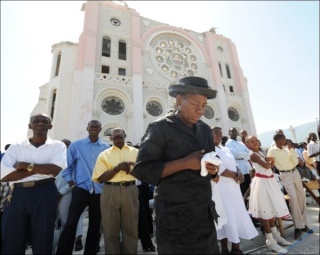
<point>113,105</point>
<point>154,108</point>
<point>175,58</point>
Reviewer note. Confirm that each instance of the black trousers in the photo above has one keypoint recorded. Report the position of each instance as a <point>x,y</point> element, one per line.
<point>246,184</point>
<point>80,199</point>
<point>31,211</point>
<point>145,218</point>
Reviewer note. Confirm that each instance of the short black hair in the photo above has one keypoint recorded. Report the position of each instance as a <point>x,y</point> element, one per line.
<point>278,136</point>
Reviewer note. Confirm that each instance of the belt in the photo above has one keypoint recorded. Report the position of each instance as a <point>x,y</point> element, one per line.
<point>286,171</point>
<point>34,183</point>
<point>121,183</point>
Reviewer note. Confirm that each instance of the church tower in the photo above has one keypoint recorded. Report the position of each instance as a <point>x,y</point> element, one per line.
<point>120,70</point>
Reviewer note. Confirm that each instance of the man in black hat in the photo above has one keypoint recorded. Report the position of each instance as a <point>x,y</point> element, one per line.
<point>169,158</point>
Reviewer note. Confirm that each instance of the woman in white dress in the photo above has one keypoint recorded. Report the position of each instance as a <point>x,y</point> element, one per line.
<point>239,224</point>
<point>266,199</point>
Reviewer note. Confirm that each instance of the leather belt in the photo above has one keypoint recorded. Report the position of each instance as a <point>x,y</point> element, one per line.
<point>121,183</point>
<point>31,184</point>
<point>286,171</point>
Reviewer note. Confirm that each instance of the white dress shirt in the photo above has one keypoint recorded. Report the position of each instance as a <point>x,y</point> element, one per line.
<point>241,153</point>
<point>51,152</point>
<point>312,148</point>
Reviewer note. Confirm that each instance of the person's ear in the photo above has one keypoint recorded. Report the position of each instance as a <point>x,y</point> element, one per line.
<point>50,126</point>
<point>29,125</point>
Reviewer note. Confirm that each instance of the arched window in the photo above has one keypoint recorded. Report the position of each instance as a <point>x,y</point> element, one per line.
<point>53,102</point>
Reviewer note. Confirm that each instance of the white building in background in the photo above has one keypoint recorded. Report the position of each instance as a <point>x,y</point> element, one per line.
<point>120,70</point>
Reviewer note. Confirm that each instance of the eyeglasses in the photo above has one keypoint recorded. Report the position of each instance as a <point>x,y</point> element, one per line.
<point>37,121</point>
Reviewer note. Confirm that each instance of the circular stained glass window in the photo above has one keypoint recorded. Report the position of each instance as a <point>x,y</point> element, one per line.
<point>233,114</point>
<point>154,108</point>
<point>174,57</point>
<point>208,113</point>
<point>113,105</point>
<point>108,132</point>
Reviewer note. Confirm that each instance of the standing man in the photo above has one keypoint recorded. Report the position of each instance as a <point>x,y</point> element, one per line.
<point>243,134</point>
<point>313,149</point>
<point>119,198</point>
<point>81,158</point>
<point>286,160</point>
<point>30,167</point>
<point>242,155</point>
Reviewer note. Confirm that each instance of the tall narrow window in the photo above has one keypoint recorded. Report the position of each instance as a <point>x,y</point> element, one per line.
<point>58,64</point>
<point>122,71</point>
<point>53,102</point>
<point>231,89</point>
<point>122,50</point>
<point>220,70</point>
<point>106,47</point>
<point>105,69</point>
<point>224,88</point>
<point>228,71</point>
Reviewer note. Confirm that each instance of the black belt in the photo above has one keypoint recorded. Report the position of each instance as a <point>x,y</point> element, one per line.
<point>121,183</point>
<point>286,171</point>
<point>34,183</point>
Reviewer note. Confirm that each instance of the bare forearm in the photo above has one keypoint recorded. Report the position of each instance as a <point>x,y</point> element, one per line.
<point>314,154</point>
<point>108,175</point>
<point>39,168</point>
<point>229,174</point>
<point>16,175</point>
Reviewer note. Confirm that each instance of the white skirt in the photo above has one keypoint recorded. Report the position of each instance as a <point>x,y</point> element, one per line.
<point>267,200</point>
<point>239,222</point>
<point>219,206</point>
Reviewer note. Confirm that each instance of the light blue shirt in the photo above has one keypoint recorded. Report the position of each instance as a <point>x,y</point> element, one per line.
<point>81,159</point>
<point>241,153</point>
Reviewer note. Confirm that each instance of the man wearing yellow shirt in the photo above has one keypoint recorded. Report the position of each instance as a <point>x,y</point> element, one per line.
<point>119,197</point>
<point>286,160</point>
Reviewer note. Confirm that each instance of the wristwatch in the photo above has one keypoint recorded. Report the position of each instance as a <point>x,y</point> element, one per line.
<point>30,167</point>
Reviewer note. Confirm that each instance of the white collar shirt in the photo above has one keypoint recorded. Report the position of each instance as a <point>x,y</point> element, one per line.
<point>51,152</point>
<point>312,148</point>
<point>241,153</point>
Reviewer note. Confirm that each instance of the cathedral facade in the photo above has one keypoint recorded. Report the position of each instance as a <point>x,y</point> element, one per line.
<point>120,70</point>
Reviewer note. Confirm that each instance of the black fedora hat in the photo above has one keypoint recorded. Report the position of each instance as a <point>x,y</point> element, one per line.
<point>193,85</point>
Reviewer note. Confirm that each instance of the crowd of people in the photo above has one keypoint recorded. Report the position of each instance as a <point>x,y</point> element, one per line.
<point>46,185</point>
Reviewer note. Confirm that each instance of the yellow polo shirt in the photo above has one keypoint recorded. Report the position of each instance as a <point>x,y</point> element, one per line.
<point>110,158</point>
<point>284,159</point>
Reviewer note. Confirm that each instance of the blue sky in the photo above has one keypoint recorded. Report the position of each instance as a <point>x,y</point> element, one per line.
<point>277,44</point>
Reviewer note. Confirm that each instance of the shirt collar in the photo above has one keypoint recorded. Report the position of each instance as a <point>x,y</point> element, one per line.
<point>27,142</point>
<point>87,140</point>
<point>116,148</point>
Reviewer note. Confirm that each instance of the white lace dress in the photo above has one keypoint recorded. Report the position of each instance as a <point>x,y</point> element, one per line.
<point>266,199</point>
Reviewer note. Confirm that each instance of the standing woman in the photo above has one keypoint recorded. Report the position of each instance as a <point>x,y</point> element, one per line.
<point>239,224</point>
<point>169,158</point>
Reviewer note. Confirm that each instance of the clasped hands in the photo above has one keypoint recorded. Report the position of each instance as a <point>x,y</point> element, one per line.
<point>125,166</point>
